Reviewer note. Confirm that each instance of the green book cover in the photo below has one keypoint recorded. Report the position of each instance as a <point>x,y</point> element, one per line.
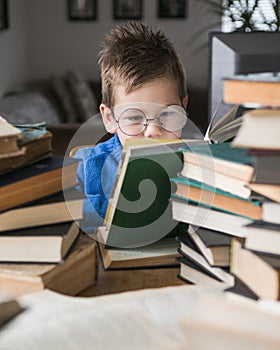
<point>143,212</point>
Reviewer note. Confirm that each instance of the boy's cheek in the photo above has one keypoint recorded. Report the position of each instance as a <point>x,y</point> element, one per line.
<point>123,137</point>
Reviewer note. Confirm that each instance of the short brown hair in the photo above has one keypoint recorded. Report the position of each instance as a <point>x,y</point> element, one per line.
<point>134,54</point>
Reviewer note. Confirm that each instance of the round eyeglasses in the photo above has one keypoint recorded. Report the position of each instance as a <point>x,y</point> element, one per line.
<point>133,121</point>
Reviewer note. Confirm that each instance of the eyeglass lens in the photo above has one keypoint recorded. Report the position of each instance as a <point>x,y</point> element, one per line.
<point>133,121</point>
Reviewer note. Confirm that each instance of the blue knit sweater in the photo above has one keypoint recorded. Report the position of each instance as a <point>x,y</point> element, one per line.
<point>96,175</point>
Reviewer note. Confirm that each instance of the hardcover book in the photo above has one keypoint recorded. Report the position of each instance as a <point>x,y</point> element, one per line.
<point>139,211</point>
<point>159,254</point>
<point>198,192</point>
<point>220,166</point>
<point>48,243</point>
<point>213,245</point>
<point>260,129</point>
<point>199,215</point>
<point>32,152</point>
<point>263,237</point>
<point>253,90</point>
<point>193,258</point>
<point>194,274</point>
<point>265,284</point>
<point>52,209</point>
<point>36,181</point>
<point>76,272</point>
<point>221,158</point>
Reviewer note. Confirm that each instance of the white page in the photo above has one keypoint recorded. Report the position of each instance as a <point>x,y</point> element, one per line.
<point>203,336</point>
<point>163,307</point>
<point>239,314</point>
<point>152,316</point>
<point>108,327</point>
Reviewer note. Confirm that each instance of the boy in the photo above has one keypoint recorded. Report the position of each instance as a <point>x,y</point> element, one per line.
<point>143,95</point>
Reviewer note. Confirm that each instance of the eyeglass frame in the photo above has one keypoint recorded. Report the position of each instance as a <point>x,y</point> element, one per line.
<point>148,119</point>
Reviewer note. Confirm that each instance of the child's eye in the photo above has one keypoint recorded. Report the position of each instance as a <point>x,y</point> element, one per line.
<point>166,114</point>
<point>135,118</point>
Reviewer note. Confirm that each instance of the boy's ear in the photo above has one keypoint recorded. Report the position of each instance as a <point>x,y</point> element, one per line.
<point>185,101</point>
<point>108,118</point>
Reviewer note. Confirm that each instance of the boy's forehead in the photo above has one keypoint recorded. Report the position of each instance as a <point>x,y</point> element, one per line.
<point>146,107</point>
<point>161,91</point>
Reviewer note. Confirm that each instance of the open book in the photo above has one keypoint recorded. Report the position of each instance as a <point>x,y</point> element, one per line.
<point>146,319</point>
<point>139,212</point>
<point>225,128</point>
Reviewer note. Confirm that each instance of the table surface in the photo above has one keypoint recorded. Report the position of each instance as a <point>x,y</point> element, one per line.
<point>115,281</point>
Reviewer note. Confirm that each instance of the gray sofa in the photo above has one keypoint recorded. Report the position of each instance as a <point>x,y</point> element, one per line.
<point>65,103</point>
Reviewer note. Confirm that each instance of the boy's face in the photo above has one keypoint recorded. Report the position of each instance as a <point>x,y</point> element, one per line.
<point>151,100</point>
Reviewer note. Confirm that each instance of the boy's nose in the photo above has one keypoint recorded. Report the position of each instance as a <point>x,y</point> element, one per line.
<point>153,130</point>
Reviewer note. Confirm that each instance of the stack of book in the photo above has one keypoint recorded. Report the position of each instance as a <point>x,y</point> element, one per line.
<point>233,188</point>
<point>260,136</point>
<point>23,144</point>
<point>138,219</point>
<point>210,194</point>
<point>205,258</point>
<point>41,245</point>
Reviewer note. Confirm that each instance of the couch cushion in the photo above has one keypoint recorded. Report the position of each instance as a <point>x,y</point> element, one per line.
<point>82,96</point>
<point>28,107</point>
<point>64,99</point>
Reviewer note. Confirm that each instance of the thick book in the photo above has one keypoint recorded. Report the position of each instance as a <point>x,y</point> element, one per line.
<point>220,166</point>
<point>9,308</point>
<point>221,158</point>
<point>215,198</point>
<point>199,215</point>
<point>139,211</point>
<point>57,208</point>
<point>194,274</point>
<point>37,180</point>
<point>271,212</point>
<point>260,129</point>
<point>267,169</point>
<point>33,151</point>
<point>48,243</point>
<point>264,278</point>
<point>162,253</point>
<point>267,190</point>
<point>263,237</point>
<point>77,272</point>
<point>218,180</point>
<point>190,252</point>
<point>213,245</point>
<point>253,90</point>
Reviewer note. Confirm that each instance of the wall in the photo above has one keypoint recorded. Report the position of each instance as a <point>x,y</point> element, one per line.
<point>42,41</point>
<point>14,54</point>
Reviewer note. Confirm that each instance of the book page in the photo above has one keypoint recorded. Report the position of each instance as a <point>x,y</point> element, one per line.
<point>214,128</point>
<point>146,319</point>
<point>151,316</point>
<point>246,315</point>
<point>202,336</point>
<point>7,129</point>
<point>108,327</point>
